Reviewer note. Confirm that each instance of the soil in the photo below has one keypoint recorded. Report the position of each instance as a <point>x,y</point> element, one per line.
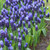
<point>44,41</point>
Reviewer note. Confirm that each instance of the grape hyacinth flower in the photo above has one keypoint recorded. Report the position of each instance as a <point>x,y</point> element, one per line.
<point>1,43</point>
<point>10,12</point>
<point>24,28</point>
<point>14,26</point>
<point>18,29</point>
<point>20,39</point>
<point>1,48</point>
<point>44,11</point>
<point>4,5</point>
<point>47,15</point>
<point>32,22</point>
<point>2,33</point>
<point>15,38</point>
<point>11,22</point>
<point>1,17</point>
<point>11,48</point>
<point>29,24</point>
<point>40,11</point>
<point>43,3</point>
<point>26,45</point>
<point>26,31</point>
<point>47,1</point>
<point>15,18</point>
<point>39,20</point>
<point>21,31</point>
<point>7,23</point>
<point>22,17</point>
<point>30,16</point>
<point>21,20</point>
<point>35,16</point>
<point>26,19</point>
<point>23,23</point>
<point>19,34</point>
<point>11,8</point>
<point>12,37</point>
<point>6,42</point>
<point>36,27</point>
<point>6,30</point>
<point>0,23</point>
<point>23,37</point>
<point>11,42</point>
<point>19,23</point>
<point>19,46</point>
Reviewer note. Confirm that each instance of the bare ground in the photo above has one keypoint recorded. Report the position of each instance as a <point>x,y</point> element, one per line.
<point>44,41</point>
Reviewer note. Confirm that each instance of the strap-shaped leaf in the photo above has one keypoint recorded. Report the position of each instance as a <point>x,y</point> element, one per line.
<point>46,19</point>
<point>28,49</point>
<point>44,31</point>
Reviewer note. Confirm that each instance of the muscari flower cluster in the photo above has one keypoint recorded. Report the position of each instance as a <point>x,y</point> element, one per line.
<point>21,13</point>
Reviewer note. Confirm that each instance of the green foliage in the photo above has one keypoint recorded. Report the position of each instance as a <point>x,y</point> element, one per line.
<point>36,34</point>
<point>1,4</point>
<point>32,37</point>
<point>48,48</point>
<point>44,31</point>
<point>28,49</point>
<point>47,19</point>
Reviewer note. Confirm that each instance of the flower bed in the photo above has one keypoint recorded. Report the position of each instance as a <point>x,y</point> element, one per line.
<point>21,24</point>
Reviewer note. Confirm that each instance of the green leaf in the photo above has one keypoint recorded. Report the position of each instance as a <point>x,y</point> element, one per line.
<point>39,32</point>
<point>29,31</point>
<point>34,36</point>
<point>44,31</point>
<point>34,32</point>
<point>31,41</point>
<point>28,38</point>
<point>13,45</point>
<point>28,49</point>
<point>46,19</point>
<point>48,48</point>
<point>40,26</point>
